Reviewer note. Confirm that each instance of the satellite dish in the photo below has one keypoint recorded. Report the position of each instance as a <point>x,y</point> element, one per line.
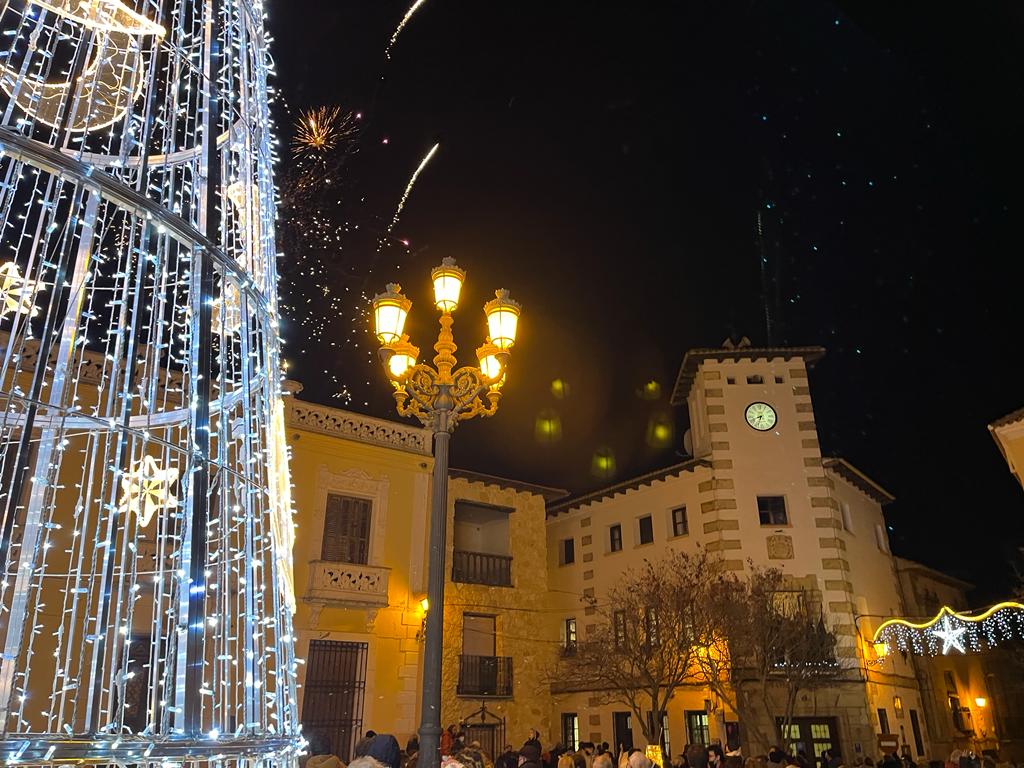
<point>688,443</point>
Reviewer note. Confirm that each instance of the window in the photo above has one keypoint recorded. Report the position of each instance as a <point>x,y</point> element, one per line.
<point>897,706</point>
<point>570,635</point>
<point>881,538</point>
<point>883,721</point>
<point>615,538</point>
<point>619,628</point>
<point>646,530</point>
<point>567,552</point>
<point>730,379</point>
<point>915,725</point>
<point>756,379</point>
<point>697,727</point>
<point>651,626</point>
<point>958,714</point>
<point>847,517</point>
<point>772,510</point>
<point>680,527</point>
<point>778,380</point>
<point>571,730</point>
<point>346,530</point>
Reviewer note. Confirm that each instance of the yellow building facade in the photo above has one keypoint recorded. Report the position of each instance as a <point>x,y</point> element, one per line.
<point>361,492</point>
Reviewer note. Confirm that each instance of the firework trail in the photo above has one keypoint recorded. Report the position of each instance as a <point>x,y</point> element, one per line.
<point>320,130</point>
<point>408,190</point>
<point>401,26</point>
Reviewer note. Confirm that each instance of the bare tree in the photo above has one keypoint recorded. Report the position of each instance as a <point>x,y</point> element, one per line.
<point>770,642</point>
<point>641,650</point>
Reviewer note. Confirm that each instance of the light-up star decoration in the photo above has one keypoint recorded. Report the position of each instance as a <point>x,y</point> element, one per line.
<point>16,292</point>
<point>951,637</point>
<point>147,489</point>
<point>965,632</point>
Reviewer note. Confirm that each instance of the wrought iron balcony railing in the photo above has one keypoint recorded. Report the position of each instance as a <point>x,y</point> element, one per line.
<point>482,568</point>
<point>485,676</point>
<point>348,584</point>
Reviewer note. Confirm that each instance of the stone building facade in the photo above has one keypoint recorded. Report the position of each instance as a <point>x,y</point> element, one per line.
<point>756,490</point>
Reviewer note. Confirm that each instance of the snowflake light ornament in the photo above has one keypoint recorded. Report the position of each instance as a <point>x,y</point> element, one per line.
<point>17,293</point>
<point>147,489</point>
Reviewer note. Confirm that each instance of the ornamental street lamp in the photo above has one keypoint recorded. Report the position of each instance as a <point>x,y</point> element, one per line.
<point>441,396</point>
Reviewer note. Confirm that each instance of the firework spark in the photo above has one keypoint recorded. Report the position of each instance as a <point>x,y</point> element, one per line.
<point>321,129</point>
<point>401,26</point>
<point>408,190</point>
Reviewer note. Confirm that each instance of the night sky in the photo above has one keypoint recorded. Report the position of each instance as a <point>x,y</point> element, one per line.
<point>607,162</point>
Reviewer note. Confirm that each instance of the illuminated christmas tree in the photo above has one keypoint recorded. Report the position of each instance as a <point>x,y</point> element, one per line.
<point>145,606</point>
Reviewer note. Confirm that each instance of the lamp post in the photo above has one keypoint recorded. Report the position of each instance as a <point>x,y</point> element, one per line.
<point>441,396</point>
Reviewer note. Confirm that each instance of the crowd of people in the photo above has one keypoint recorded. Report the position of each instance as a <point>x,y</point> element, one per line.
<point>383,751</point>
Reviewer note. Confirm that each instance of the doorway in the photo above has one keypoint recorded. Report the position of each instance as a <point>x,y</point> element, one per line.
<point>813,735</point>
<point>332,701</point>
<point>622,730</point>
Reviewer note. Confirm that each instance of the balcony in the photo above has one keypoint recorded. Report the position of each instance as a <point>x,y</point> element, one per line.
<point>485,676</point>
<point>352,585</point>
<point>482,568</point>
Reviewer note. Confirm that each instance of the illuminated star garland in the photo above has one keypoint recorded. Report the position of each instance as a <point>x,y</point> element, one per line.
<point>952,632</point>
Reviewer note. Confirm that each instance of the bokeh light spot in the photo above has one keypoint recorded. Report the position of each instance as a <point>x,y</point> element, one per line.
<point>650,391</point>
<point>560,388</point>
<point>548,427</point>
<point>660,430</point>
<point>603,463</point>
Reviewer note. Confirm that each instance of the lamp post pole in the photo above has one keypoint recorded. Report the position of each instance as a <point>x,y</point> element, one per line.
<point>441,396</point>
<point>430,719</point>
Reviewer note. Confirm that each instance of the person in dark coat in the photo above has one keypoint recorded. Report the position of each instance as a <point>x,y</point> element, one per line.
<point>507,759</point>
<point>363,744</point>
<point>384,749</point>
<point>530,753</point>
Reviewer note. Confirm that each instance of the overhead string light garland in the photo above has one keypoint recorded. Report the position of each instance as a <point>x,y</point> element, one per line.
<point>950,632</point>
<point>145,515</point>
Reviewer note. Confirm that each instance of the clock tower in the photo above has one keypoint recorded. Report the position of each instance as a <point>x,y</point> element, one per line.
<point>771,498</point>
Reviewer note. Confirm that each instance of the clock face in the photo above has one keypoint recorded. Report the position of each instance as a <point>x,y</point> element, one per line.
<point>761,416</point>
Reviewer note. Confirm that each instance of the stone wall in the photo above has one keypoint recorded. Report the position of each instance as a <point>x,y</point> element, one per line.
<point>525,630</point>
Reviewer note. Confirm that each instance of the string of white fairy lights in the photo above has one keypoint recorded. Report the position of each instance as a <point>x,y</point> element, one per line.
<point>951,632</point>
<point>131,200</point>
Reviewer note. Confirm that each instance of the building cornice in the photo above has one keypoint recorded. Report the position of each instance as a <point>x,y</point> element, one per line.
<point>859,480</point>
<point>627,485</point>
<point>335,422</point>
<point>550,494</point>
<point>693,359</point>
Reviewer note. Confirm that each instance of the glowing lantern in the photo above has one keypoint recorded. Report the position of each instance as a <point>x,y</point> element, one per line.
<point>403,357</point>
<point>490,365</point>
<point>390,309</point>
<point>502,319</point>
<point>448,279</point>
<point>981,701</point>
<point>425,604</point>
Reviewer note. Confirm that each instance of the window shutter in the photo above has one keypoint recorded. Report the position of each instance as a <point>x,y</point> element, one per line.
<point>346,530</point>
